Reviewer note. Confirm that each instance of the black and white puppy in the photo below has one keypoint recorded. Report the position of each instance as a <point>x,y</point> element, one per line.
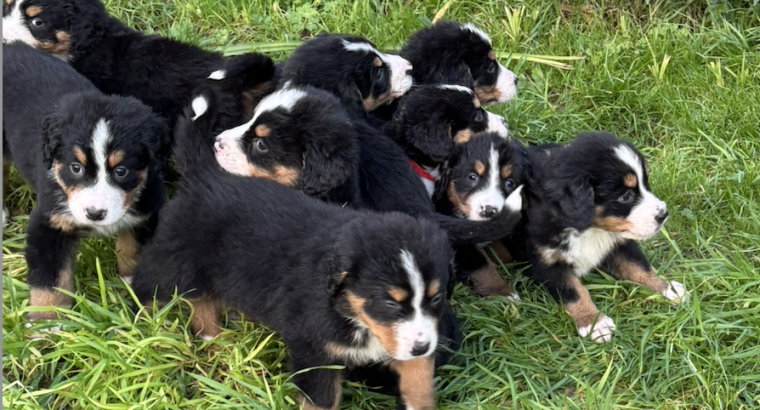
<point>482,178</point>
<point>431,119</point>
<point>300,137</point>
<point>91,159</point>
<point>340,286</point>
<point>589,203</point>
<point>350,67</point>
<point>452,53</point>
<point>160,72</point>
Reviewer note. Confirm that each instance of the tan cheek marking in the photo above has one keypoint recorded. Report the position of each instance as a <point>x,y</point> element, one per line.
<point>506,171</point>
<point>487,93</point>
<point>81,157</point>
<point>399,295</point>
<point>8,2</point>
<point>64,223</point>
<point>583,310</point>
<point>282,175</point>
<point>69,191</point>
<point>476,102</point>
<point>61,48</point>
<point>629,180</point>
<point>127,249</point>
<point>491,55</point>
<point>462,136</point>
<point>487,282</point>
<point>51,297</point>
<point>262,131</point>
<point>129,197</point>
<point>612,224</point>
<point>456,201</point>
<point>370,103</point>
<point>416,382</point>
<point>385,334</point>
<point>629,270</point>
<point>433,288</point>
<point>480,169</point>
<point>377,62</point>
<point>501,251</point>
<point>205,320</point>
<point>33,11</point>
<point>115,158</point>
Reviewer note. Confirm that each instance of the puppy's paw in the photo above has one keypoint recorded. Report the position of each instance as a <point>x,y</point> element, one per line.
<point>48,327</point>
<point>676,292</point>
<point>127,279</point>
<point>514,201</point>
<point>601,331</point>
<point>514,297</point>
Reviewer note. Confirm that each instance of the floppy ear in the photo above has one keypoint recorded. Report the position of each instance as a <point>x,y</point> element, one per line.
<point>325,169</point>
<point>433,138</point>
<point>349,94</point>
<point>52,134</point>
<point>335,283</point>
<point>458,74</point>
<point>249,77</point>
<point>441,183</point>
<point>573,202</point>
<point>87,21</point>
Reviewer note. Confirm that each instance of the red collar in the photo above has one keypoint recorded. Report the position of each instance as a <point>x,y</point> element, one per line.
<point>421,172</point>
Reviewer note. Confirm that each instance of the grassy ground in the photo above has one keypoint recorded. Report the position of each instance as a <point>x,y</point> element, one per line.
<point>679,79</point>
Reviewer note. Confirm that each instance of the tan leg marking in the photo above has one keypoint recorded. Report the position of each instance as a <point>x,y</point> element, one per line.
<point>416,382</point>
<point>583,310</point>
<point>308,405</point>
<point>487,282</point>
<point>127,248</point>
<point>205,321</point>
<point>501,252</point>
<point>52,297</point>
<point>628,270</point>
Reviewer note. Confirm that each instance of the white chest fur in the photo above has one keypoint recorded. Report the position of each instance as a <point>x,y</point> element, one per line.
<point>588,249</point>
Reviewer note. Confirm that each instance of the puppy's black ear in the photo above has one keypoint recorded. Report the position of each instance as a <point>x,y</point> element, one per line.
<point>88,22</point>
<point>441,183</point>
<point>325,169</point>
<point>574,203</point>
<point>248,77</point>
<point>349,94</point>
<point>335,283</point>
<point>433,138</point>
<point>52,135</point>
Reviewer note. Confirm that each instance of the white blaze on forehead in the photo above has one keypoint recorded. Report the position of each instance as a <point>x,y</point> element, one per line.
<point>454,87</point>
<point>480,33</point>
<point>497,124</point>
<point>491,194</point>
<point>401,82</point>
<point>642,216</point>
<point>421,328</point>
<point>102,195</point>
<point>286,98</point>
<point>15,27</point>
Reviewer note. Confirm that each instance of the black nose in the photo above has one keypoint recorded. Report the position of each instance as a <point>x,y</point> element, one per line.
<point>504,121</point>
<point>420,349</point>
<point>660,218</point>
<point>488,212</point>
<point>516,80</point>
<point>95,214</point>
<point>409,72</point>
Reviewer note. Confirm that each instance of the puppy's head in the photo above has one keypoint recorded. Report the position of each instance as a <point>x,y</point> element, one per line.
<point>485,175</point>
<point>439,49</point>
<point>350,67</point>
<point>602,181</point>
<point>58,27</point>
<point>101,151</point>
<point>431,119</point>
<point>390,281</point>
<point>298,136</point>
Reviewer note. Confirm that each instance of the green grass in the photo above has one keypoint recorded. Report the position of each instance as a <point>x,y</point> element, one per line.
<point>680,79</point>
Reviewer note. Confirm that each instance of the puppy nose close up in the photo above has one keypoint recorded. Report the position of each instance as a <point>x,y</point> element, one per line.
<point>218,146</point>
<point>95,214</point>
<point>488,211</point>
<point>420,348</point>
<point>661,217</point>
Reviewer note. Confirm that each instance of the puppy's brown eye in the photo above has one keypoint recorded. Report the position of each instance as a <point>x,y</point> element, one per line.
<point>509,184</point>
<point>392,305</point>
<point>120,172</point>
<point>491,68</point>
<point>380,74</point>
<point>626,198</point>
<point>473,177</point>
<point>36,22</point>
<point>479,116</point>
<point>76,168</point>
<point>436,299</point>
<point>261,146</point>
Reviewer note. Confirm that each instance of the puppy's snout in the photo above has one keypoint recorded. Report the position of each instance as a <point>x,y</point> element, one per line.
<point>419,349</point>
<point>218,145</point>
<point>662,216</point>
<point>95,214</point>
<point>488,212</point>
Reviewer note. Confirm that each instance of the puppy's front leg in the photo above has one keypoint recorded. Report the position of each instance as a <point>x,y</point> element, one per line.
<point>321,388</point>
<point>49,256</point>
<point>416,383</point>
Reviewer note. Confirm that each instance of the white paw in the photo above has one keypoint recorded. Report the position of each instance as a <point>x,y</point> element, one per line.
<point>675,291</point>
<point>127,279</point>
<point>55,328</point>
<point>217,75</point>
<point>207,338</point>
<point>514,200</point>
<point>514,297</point>
<point>601,331</point>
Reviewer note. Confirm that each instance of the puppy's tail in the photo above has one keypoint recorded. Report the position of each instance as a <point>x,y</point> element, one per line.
<point>467,232</point>
<point>195,133</point>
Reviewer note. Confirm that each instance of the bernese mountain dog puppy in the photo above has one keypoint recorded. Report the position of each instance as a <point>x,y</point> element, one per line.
<point>589,203</point>
<point>160,72</point>
<point>340,286</point>
<point>482,178</point>
<point>350,67</point>
<point>452,53</point>
<point>431,119</point>
<point>91,159</point>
